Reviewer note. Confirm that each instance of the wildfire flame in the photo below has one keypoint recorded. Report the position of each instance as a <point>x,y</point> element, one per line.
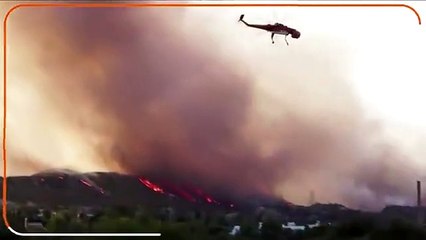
<point>189,193</point>
<point>151,185</point>
<point>85,183</point>
<point>90,185</point>
<point>207,198</point>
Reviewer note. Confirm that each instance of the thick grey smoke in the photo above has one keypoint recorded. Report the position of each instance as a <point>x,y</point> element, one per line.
<point>166,106</point>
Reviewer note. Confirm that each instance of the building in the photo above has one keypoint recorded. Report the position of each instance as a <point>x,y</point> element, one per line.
<point>292,226</point>
<point>34,225</point>
<point>235,230</point>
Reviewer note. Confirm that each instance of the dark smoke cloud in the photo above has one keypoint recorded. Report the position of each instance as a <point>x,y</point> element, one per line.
<point>171,108</point>
<point>175,110</point>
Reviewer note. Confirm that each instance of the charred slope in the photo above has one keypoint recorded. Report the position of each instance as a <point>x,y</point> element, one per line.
<point>69,188</point>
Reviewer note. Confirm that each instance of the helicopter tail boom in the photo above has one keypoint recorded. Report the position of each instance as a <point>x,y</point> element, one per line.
<point>241,18</point>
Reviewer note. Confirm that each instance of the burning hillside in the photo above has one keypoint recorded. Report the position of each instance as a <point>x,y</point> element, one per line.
<point>108,186</point>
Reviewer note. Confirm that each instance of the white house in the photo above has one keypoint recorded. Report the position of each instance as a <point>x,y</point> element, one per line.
<point>236,230</point>
<point>293,226</point>
<point>316,224</point>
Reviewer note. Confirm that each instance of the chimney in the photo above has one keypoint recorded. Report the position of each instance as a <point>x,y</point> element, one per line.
<point>312,197</point>
<point>419,194</point>
<point>419,203</point>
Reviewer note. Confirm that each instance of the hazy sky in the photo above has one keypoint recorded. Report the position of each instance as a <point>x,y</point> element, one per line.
<point>193,94</point>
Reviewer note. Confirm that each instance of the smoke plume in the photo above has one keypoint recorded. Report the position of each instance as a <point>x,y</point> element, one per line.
<point>135,91</point>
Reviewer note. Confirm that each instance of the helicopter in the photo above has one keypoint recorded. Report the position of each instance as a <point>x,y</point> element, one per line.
<point>277,28</point>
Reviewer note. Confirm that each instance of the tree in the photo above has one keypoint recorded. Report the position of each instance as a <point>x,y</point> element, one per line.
<point>118,225</point>
<point>47,214</point>
<point>357,227</point>
<point>317,232</point>
<point>76,226</point>
<point>119,211</point>
<point>16,221</point>
<point>249,230</point>
<point>272,230</point>
<point>400,229</point>
<point>57,223</point>
<point>177,231</point>
<point>216,230</point>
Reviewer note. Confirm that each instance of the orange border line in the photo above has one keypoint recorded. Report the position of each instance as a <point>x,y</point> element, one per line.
<point>146,4</point>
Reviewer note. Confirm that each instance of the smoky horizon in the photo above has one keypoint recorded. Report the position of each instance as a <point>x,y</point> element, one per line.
<point>193,96</point>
